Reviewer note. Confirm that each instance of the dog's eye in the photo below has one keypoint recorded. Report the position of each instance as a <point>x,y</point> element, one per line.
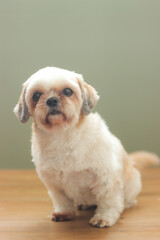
<point>36,96</point>
<point>67,92</point>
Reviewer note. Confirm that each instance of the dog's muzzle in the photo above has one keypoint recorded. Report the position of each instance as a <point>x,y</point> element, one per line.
<point>52,104</point>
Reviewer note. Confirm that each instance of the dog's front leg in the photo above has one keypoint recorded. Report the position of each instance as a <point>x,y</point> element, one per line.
<point>63,206</point>
<point>110,203</point>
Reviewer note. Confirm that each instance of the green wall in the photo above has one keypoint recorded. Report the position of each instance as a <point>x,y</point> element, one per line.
<point>115,44</point>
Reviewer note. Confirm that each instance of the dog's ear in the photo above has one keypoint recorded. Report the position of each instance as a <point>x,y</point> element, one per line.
<point>21,109</point>
<point>89,95</point>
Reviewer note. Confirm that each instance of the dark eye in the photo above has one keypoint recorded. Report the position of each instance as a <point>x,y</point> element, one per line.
<point>36,96</point>
<point>67,92</point>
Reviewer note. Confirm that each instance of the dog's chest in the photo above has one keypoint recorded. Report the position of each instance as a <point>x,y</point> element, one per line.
<point>60,154</point>
<point>76,185</point>
<point>64,163</point>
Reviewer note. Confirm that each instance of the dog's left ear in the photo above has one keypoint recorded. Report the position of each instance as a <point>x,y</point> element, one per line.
<point>89,95</point>
<point>21,109</point>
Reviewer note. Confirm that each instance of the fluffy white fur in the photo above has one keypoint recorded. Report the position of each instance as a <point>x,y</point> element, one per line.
<point>76,156</point>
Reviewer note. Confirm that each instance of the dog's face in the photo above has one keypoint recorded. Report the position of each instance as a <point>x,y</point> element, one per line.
<point>55,98</point>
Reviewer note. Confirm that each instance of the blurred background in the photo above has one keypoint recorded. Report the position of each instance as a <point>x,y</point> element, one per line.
<point>114,44</point>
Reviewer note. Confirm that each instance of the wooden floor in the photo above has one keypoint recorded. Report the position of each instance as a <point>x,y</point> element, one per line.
<point>25,210</point>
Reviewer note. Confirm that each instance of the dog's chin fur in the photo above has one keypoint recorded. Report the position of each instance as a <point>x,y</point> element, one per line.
<point>51,122</point>
<point>77,158</point>
<point>59,120</point>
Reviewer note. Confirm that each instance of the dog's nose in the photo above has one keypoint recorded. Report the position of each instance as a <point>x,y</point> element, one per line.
<point>52,102</point>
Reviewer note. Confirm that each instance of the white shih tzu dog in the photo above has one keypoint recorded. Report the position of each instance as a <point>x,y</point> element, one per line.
<point>76,156</point>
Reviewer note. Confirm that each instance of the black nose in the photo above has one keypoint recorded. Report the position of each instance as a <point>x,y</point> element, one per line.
<point>52,102</point>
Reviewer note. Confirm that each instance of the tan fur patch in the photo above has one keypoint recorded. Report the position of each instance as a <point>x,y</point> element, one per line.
<point>31,104</point>
<point>81,119</point>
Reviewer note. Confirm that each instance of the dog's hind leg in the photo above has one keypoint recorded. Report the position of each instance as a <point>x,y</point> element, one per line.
<point>132,186</point>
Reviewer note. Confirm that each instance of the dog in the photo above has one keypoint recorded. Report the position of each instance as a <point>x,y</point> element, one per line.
<point>80,162</point>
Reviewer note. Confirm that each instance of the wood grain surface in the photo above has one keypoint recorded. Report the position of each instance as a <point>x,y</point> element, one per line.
<point>25,211</point>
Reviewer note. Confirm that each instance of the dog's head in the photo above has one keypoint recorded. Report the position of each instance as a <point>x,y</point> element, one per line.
<point>55,98</point>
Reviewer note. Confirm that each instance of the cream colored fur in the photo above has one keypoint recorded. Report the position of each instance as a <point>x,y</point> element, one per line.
<point>76,156</point>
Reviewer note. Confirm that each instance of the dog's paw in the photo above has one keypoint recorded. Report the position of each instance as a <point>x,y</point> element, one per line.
<point>86,207</point>
<point>101,222</point>
<point>61,217</point>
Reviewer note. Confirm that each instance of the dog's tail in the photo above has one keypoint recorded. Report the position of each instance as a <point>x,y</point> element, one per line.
<point>144,159</point>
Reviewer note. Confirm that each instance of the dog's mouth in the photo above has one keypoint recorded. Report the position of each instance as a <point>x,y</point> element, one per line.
<point>54,117</point>
<point>54,112</point>
<point>51,114</point>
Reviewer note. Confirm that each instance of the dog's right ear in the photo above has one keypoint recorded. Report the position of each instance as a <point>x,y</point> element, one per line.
<point>89,95</point>
<point>21,109</point>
